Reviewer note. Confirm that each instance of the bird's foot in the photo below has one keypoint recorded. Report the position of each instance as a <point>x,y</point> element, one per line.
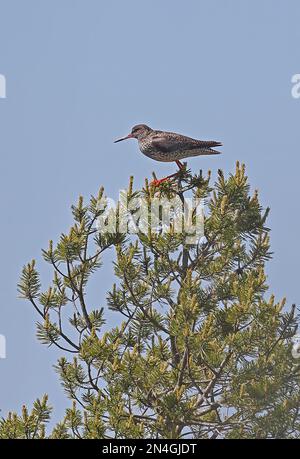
<point>156,182</point>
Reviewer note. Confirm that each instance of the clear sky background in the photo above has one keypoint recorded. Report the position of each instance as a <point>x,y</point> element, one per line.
<point>81,73</point>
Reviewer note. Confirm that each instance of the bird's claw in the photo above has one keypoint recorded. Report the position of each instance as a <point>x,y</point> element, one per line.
<point>156,182</point>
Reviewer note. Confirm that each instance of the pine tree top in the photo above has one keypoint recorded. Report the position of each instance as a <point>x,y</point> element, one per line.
<point>200,348</point>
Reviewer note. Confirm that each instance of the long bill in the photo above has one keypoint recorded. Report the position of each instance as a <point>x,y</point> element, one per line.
<point>129,136</point>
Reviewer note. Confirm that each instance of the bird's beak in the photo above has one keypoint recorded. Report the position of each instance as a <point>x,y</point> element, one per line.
<point>129,136</point>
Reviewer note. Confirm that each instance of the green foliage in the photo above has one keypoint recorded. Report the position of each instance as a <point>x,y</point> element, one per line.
<point>28,425</point>
<point>200,349</point>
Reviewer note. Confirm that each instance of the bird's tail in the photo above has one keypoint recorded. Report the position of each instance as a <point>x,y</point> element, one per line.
<point>207,147</point>
<point>210,143</point>
<point>210,151</point>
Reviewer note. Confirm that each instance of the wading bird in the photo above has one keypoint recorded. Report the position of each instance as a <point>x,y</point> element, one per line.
<point>169,146</point>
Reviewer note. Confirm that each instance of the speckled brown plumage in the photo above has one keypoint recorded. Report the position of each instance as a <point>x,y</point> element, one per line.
<point>169,146</point>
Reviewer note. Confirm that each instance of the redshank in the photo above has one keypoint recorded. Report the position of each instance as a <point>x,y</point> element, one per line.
<point>169,146</point>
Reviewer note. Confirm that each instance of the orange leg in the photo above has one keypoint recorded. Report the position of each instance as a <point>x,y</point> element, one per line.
<point>179,164</point>
<point>158,182</point>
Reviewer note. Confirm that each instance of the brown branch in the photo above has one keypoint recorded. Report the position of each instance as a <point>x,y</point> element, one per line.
<point>214,380</point>
<point>60,332</point>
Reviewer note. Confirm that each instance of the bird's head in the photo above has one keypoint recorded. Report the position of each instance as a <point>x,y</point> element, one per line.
<point>137,132</point>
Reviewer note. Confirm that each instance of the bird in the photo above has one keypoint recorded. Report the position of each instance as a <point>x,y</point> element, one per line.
<point>169,146</point>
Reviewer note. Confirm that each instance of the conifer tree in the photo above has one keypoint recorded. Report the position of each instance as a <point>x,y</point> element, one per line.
<point>200,348</point>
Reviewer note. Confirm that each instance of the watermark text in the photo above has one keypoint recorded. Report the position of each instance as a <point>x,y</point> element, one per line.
<point>2,86</point>
<point>2,347</point>
<point>296,86</point>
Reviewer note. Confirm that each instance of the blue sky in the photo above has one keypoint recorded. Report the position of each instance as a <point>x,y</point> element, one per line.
<point>81,73</point>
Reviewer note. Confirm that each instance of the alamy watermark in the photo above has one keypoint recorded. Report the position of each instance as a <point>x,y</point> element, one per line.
<point>296,347</point>
<point>2,347</point>
<point>160,216</point>
<point>2,86</point>
<point>296,86</point>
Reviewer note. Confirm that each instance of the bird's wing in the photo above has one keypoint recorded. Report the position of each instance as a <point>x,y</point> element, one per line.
<point>169,142</point>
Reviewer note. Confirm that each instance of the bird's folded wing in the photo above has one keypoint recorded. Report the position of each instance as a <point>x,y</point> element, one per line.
<point>169,142</point>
